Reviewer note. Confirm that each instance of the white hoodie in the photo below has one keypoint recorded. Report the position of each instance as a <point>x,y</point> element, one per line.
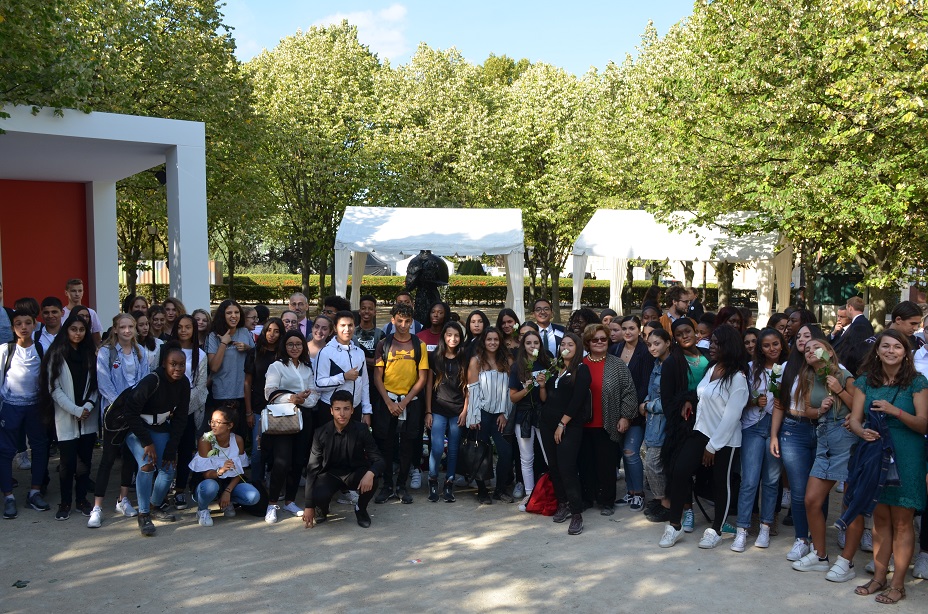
<point>331,364</point>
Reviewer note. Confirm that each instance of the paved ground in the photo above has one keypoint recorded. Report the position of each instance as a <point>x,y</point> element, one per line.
<point>420,557</point>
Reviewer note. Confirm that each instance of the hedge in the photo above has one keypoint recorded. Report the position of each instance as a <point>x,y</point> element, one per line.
<point>473,290</point>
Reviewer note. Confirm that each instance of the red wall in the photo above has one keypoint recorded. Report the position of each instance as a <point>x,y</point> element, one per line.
<point>43,238</point>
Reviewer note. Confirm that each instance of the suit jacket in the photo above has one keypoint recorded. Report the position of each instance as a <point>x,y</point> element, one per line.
<point>852,344</point>
<point>363,453</point>
<point>558,335</point>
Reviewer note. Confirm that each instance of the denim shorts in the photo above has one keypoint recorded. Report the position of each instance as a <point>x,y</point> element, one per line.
<point>833,452</point>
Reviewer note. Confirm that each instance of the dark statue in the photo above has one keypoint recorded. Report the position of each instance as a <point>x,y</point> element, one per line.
<point>425,273</point>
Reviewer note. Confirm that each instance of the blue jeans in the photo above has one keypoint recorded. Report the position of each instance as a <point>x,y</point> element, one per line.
<point>488,430</point>
<point>758,468</point>
<point>631,454</point>
<point>208,490</point>
<point>151,490</point>
<point>13,420</point>
<point>797,450</point>
<point>441,425</point>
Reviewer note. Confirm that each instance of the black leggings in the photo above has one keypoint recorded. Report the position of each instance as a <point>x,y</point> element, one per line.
<point>598,454</point>
<point>385,429</point>
<point>562,461</point>
<point>76,456</point>
<point>328,484</point>
<point>110,450</point>
<point>285,467</point>
<point>687,463</point>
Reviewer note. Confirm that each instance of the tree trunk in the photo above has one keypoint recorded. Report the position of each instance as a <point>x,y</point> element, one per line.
<point>323,265</point>
<point>230,266</point>
<point>880,299</point>
<point>555,296</point>
<point>725,271</point>
<point>305,266</point>
<point>688,273</point>
<point>132,276</point>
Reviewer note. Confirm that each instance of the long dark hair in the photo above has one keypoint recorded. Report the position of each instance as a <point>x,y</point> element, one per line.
<point>729,354</point>
<point>194,341</point>
<point>282,355</point>
<point>262,345</point>
<point>512,314</point>
<point>55,359</point>
<point>727,312</point>
<point>438,362</point>
<point>501,357</point>
<point>760,359</point>
<point>486,324</point>
<point>525,362</point>
<point>793,364</point>
<point>872,366</point>
<point>219,324</point>
<point>148,341</point>
<point>575,362</point>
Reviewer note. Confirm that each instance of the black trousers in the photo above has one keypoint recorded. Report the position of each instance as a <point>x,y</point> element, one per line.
<point>687,463</point>
<point>76,456</point>
<point>562,460</point>
<point>598,456</point>
<point>110,451</point>
<point>286,456</point>
<point>328,484</point>
<point>386,429</point>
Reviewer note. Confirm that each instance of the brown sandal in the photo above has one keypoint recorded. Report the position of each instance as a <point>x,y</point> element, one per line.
<point>885,598</point>
<point>865,590</point>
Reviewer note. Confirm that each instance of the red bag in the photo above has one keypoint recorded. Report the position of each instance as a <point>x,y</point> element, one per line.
<point>543,500</point>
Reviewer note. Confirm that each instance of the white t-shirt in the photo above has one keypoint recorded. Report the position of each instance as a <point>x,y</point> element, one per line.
<point>46,338</point>
<point>21,385</point>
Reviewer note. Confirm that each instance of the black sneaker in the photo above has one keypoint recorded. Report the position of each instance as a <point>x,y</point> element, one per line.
<point>180,501</point>
<point>404,495</point>
<point>9,508</point>
<point>576,525</point>
<point>503,496</point>
<point>562,513</point>
<point>484,498</point>
<point>84,507</point>
<point>384,495</point>
<point>321,515</point>
<point>433,490</point>
<point>661,514</point>
<point>63,513</point>
<point>146,526</point>
<point>364,519</point>
<point>449,491</point>
<point>161,513</point>
<point>36,502</point>
<point>651,506</point>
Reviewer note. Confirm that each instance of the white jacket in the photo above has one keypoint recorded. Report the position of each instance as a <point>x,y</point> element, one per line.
<point>332,363</point>
<point>718,416</point>
<point>67,411</point>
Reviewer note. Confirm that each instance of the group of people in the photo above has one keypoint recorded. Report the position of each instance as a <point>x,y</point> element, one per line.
<point>689,404</point>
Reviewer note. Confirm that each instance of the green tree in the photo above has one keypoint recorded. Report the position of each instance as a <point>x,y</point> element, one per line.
<point>315,93</point>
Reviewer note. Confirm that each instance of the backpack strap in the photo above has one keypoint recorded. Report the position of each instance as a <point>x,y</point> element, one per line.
<point>10,348</point>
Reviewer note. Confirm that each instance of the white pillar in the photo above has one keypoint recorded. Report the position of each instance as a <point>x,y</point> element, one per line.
<point>340,272</point>
<point>188,245</point>
<point>102,251</point>
<point>358,264</point>
<point>579,271</point>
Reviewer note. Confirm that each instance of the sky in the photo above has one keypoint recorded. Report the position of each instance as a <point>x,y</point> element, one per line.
<point>572,35</point>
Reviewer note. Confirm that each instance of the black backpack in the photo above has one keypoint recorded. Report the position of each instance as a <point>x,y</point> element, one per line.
<point>11,348</point>
<point>388,344</point>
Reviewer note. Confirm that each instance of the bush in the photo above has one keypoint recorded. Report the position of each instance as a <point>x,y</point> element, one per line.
<point>470,267</point>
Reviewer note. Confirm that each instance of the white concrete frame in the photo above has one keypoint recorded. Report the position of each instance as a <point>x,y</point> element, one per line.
<point>99,149</point>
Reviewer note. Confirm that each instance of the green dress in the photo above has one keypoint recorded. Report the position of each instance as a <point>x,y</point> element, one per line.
<point>909,445</point>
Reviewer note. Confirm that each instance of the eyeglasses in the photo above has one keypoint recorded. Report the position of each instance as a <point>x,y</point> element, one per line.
<point>542,309</point>
<point>599,340</point>
<point>217,422</point>
<point>294,346</point>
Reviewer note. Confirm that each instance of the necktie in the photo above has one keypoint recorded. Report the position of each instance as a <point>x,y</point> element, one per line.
<point>544,338</point>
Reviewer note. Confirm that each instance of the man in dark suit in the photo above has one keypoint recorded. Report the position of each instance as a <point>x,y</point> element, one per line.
<point>551,334</point>
<point>344,456</point>
<point>852,344</point>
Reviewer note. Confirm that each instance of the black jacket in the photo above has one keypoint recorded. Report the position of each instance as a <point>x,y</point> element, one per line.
<point>154,395</point>
<point>569,397</point>
<point>852,344</point>
<point>364,453</point>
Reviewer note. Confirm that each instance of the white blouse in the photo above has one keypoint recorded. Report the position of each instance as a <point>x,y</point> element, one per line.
<point>286,376</point>
<point>214,463</point>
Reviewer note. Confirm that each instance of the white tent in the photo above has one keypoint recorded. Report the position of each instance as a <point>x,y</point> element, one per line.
<point>394,233</point>
<point>625,234</point>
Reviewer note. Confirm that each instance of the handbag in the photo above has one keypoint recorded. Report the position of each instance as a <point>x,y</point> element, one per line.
<point>542,500</point>
<point>475,458</point>
<point>281,418</point>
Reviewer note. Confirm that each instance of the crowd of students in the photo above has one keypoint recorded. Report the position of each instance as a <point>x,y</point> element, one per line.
<point>691,405</point>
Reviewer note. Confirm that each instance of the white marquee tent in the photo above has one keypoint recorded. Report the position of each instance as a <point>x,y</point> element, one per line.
<point>622,235</point>
<point>395,233</point>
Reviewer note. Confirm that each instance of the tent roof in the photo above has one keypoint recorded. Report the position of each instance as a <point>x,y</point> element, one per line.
<point>633,233</point>
<point>396,232</point>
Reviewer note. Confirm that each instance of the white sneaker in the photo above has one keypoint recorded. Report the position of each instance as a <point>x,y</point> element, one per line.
<point>842,538</point>
<point>670,537</point>
<point>229,512</point>
<point>204,518</point>
<point>763,537</point>
<point>866,541</point>
<point>124,507</point>
<point>524,502</point>
<point>871,566</point>
<point>22,460</point>
<point>293,509</point>
<point>711,539</point>
<point>840,489</point>
<point>349,498</point>
<point>271,516</point>
<point>741,538</point>
<point>841,571</point>
<point>811,562</point>
<point>518,491</point>
<point>689,521</point>
<point>415,479</point>
<point>620,474</point>
<point>785,499</point>
<point>800,549</point>
<point>920,570</point>
<point>96,518</point>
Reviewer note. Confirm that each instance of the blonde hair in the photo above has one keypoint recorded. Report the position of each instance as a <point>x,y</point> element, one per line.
<point>808,373</point>
<point>113,337</point>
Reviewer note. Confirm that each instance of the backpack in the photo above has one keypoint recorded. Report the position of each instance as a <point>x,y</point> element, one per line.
<point>388,344</point>
<point>542,500</point>
<point>11,349</point>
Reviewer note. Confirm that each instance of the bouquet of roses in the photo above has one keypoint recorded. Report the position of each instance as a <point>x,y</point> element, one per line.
<point>556,366</point>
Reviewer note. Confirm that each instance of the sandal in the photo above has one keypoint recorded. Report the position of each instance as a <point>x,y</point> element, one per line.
<point>867,589</point>
<point>884,597</point>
